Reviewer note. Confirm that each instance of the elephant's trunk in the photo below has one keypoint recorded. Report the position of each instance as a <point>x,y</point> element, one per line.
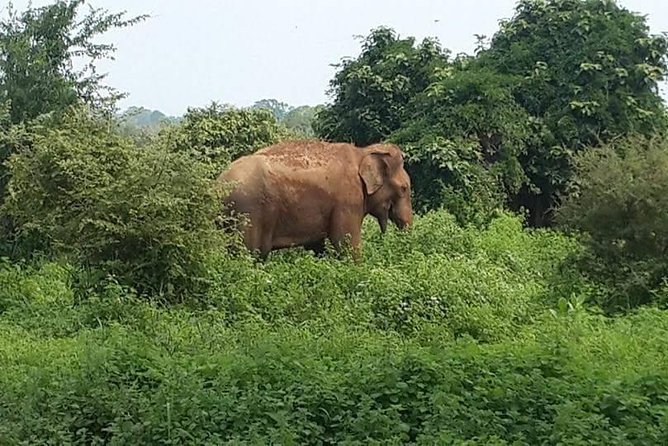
<point>383,224</point>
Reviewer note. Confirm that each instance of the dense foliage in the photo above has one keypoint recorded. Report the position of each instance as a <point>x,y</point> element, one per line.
<point>607,85</point>
<point>371,93</point>
<point>501,126</point>
<point>218,134</point>
<point>145,215</point>
<point>620,201</point>
<point>37,72</point>
<point>463,154</point>
<point>127,316</point>
<point>441,335</point>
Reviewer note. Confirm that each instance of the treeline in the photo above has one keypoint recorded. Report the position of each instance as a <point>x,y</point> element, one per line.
<point>296,119</point>
<point>501,127</point>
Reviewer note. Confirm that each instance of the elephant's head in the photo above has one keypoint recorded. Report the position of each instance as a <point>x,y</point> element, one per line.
<point>387,185</point>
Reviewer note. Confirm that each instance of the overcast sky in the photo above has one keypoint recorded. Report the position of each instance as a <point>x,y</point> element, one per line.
<point>191,52</point>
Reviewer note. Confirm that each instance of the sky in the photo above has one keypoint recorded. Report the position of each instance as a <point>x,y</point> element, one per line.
<point>192,52</point>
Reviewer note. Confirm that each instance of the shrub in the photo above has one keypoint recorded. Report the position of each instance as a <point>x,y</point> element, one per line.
<point>574,380</point>
<point>440,335</point>
<point>620,202</point>
<point>485,284</point>
<point>43,300</point>
<point>146,216</point>
<point>218,134</point>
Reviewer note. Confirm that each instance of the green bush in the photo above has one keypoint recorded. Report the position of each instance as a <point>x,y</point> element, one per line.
<point>620,202</point>
<point>469,282</point>
<point>218,134</point>
<point>462,282</point>
<point>440,335</point>
<point>44,301</point>
<point>573,380</point>
<point>145,216</point>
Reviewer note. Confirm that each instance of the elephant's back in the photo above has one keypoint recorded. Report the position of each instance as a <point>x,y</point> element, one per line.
<point>307,154</point>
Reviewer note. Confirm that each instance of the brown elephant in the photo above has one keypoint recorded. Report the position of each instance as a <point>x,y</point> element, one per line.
<point>300,193</point>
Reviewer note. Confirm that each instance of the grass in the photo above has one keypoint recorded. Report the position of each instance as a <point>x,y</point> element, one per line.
<point>441,335</point>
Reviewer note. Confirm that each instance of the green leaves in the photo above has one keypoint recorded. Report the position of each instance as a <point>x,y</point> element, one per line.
<point>464,150</point>
<point>152,375</point>
<point>146,215</point>
<point>218,134</point>
<point>372,93</point>
<point>589,71</point>
<point>37,76</point>
<point>37,47</point>
<point>618,199</point>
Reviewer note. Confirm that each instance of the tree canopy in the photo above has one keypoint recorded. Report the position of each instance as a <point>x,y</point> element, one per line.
<point>38,76</point>
<point>558,77</point>
<point>38,51</point>
<point>588,72</point>
<point>371,94</point>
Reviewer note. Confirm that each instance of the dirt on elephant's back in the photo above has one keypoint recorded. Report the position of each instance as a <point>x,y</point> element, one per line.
<point>304,154</point>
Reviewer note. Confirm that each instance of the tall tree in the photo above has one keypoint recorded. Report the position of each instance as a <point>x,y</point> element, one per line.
<point>588,71</point>
<point>371,93</point>
<point>38,48</point>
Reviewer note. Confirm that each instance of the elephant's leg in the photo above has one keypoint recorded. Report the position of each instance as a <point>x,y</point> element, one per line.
<point>318,247</point>
<point>265,246</point>
<point>255,240</point>
<point>356,245</point>
<point>266,233</point>
<point>346,229</point>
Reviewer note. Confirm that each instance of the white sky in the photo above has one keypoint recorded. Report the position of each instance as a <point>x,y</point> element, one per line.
<point>191,52</point>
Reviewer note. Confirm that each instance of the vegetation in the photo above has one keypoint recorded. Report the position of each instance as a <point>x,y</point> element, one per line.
<point>620,201</point>
<point>37,74</point>
<point>558,77</point>
<point>218,134</point>
<point>296,119</point>
<point>443,334</point>
<point>128,316</point>
<point>147,216</point>
<point>37,47</point>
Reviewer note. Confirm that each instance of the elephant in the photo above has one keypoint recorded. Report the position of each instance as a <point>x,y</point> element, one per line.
<point>303,192</point>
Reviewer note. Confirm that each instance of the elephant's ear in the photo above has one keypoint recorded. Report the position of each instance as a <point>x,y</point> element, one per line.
<point>373,171</point>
